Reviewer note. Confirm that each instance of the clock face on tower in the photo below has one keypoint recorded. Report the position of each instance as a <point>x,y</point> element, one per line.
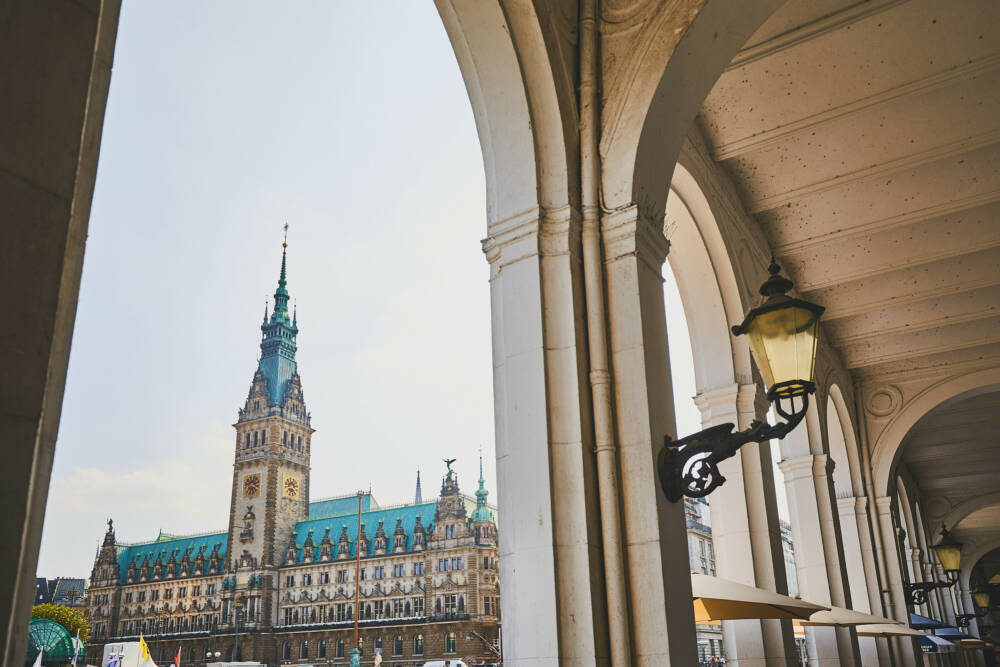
<point>291,486</point>
<point>251,485</point>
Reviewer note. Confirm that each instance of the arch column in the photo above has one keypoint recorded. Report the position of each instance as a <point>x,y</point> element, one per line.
<point>862,574</point>
<point>904,649</point>
<point>655,530</point>
<point>745,521</point>
<point>819,553</point>
<point>550,555</point>
<point>966,594</point>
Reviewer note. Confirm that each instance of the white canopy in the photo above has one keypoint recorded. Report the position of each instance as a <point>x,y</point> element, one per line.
<point>722,599</point>
<point>842,617</point>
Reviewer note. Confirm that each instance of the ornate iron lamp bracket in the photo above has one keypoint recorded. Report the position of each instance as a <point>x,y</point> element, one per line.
<point>916,594</point>
<point>690,466</point>
<point>962,620</point>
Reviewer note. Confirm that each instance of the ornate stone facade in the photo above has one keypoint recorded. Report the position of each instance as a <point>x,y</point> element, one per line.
<point>279,585</point>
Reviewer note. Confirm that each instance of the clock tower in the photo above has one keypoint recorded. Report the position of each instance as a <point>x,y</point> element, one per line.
<point>273,440</point>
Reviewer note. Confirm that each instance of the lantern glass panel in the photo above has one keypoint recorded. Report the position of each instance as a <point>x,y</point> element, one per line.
<point>783,343</point>
<point>950,556</point>
<point>982,599</point>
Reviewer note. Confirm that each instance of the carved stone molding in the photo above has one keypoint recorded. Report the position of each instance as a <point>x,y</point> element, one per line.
<point>883,401</point>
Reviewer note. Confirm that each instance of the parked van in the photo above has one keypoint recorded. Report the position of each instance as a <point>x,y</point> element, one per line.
<point>445,663</point>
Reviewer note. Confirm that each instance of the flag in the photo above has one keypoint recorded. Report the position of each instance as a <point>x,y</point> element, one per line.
<point>38,660</point>
<point>144,651</point>
<point>114,660</point>
<point>177,659</point>
<point>77,645</point>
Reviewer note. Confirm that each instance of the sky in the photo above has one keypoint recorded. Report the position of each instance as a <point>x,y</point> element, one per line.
<point>225,120</point>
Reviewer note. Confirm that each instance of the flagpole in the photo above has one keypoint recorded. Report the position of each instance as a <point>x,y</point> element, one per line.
<point>357,575</point>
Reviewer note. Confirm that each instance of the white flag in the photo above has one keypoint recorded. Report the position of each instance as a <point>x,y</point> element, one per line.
<point>77,645</point>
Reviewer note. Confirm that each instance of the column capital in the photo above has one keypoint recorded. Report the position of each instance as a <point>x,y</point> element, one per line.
<point>625,232</point>
<point>847,505</point>
<point>796,467</point>
<point>883,504</point>
<point>537,231</point>
<point>717,405</point>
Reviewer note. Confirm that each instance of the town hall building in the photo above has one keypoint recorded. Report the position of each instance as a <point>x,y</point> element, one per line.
<point>278,585</point>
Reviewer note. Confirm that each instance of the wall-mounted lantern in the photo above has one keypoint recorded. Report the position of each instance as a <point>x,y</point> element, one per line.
<point>949,554</point>
<point>782,332</point>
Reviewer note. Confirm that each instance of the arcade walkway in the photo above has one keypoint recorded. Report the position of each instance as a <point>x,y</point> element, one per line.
<point>856,142</point>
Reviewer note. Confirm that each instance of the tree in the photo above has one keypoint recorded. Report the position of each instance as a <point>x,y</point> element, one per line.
<point>69,617</point>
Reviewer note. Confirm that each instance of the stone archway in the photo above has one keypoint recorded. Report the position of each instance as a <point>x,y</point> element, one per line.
<point>886,450</point>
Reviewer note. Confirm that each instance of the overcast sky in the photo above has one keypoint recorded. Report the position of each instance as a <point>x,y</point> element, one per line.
<point>349,121</point>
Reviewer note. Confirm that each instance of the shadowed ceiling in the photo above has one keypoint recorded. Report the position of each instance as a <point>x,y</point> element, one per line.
<point>865,139</point>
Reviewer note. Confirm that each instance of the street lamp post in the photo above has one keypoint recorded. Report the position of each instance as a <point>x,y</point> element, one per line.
<point>782,332</point>
<point>237,607</point>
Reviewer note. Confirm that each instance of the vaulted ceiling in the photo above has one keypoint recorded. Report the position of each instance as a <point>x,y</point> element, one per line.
<point>953,452</point>
<point>865,139</point>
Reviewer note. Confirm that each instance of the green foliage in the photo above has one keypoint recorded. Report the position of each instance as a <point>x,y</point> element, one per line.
<point>70,618</point>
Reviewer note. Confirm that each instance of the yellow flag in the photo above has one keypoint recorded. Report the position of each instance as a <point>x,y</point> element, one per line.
<point>143,649</point>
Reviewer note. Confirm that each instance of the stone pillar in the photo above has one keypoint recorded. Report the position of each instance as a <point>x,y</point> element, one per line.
<point>905,650</point>
<point>976,656</point>
<point>872,579</point>
<point>550,549</point>
<point>851,512</point>
<point>917,570</point>
<point>947,601</point>
<point>810,560</point>
<point>57,58</point>
<point>655,531</point>
<point>745,521</point>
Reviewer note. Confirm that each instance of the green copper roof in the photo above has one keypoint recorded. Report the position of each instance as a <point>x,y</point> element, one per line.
<point>370,519</point>
<point>341,505</point>
<point>166,544</point>
<point>482,511</point>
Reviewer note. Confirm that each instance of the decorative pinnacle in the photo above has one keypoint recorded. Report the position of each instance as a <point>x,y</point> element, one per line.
<point>776,284</point>
<point>285,243</point>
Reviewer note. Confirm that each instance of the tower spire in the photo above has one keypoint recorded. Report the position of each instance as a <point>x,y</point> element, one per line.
<point>418,497</point>
<point>277,359</point>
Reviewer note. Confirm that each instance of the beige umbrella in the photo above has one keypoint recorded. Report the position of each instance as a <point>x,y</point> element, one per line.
<point>722,599</point>
<point>888,630</point>
<point>842,617</point>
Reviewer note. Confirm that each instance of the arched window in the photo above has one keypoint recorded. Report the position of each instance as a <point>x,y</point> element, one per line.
<point>191,654</point>
<point>350,612</point>
<point>247,440</point>
<point>437,606</point>
<point>300,442</point>
<point>407,608</point>
<point>284,437</point>
<point>255,438</point>
<point>418,645</point>
<point>304,650</point>
<point>340,648</point>
<point>450,643</point>
<point>263,437</point>
<point>397,645</point>
<point>461,603</point>
<point>378,643</point>
<point>286,651</point>
<point>321,649</point>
